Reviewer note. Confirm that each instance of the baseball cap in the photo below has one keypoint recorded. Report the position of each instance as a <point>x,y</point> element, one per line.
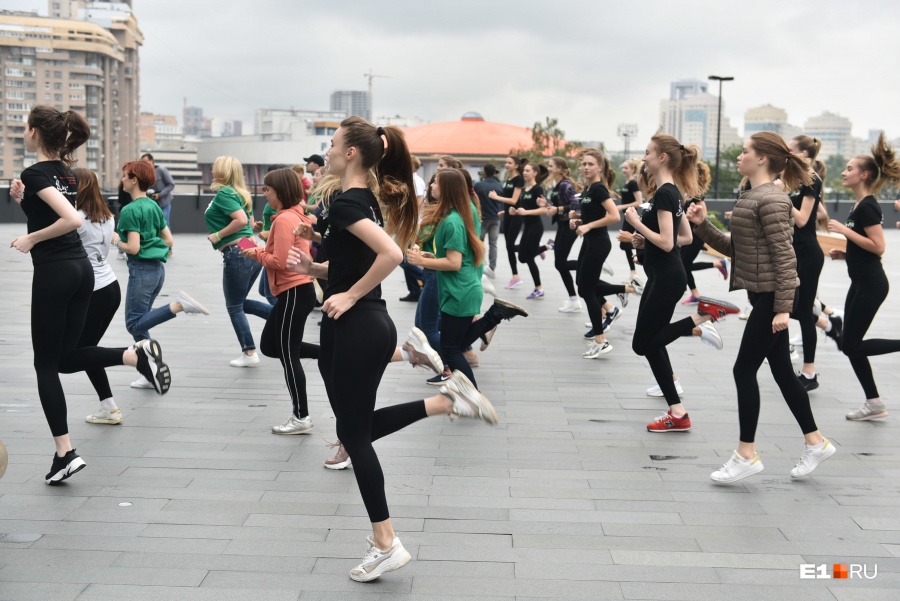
<point>315,158</point>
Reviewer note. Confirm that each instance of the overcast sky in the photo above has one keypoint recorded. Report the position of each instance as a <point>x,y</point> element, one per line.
<point>592,64</point>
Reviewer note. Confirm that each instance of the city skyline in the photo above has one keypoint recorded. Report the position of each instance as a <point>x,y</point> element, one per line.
<point>456,60</point>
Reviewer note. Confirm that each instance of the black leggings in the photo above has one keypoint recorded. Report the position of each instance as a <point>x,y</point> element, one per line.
<point>60,297</point>
<point>595,249</point>
<point>810,260</point>
<point>758,343</point>
<point>282,337</point>
<point>565,240</point>
<point>355,350</point>
<point>457,335</point>
<point>101,310</point>
<point>627,246</point>
<point>512,225</point>
<point>688,254</point>
<point>653,332</point>
<point>863,300</point>
<point>530,247</point>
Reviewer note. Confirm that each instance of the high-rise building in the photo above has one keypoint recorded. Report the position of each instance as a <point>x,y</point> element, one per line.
<point>82,58</point>
<point>160,132</point>
<point>691,114</point>
<point>192,120</point>
<point>835,132</point>
<point>769,118</point>
<point>353,103</point>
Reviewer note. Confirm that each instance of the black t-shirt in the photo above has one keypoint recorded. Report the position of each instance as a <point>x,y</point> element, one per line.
<point>592,208</point>
<point>628,191</point>
<point>806,235</point>
<point>860,262</point>
<point>667,198</point>
<point>42,175</point>
<point>349,257</point>
<point>509,188</point>
<point>528,201</point>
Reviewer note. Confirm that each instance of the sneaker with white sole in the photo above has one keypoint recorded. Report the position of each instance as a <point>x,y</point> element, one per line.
<point>150,364</point>
<point>710,335</point>
<point>608,270</point>
<point>487,286</point>
<point>142,383</point>
<point>638,284</point>
<point>341,459</point>
<point>870,410</point>
<point>797,340</point>
<point>245,360</point>
<point>65,466</point>
<point>294,425</point>
<point>420,352</point>
<point>378,561</point>
<point>623,298</point>
<point>812,457</point>
<point>656,391</point>
<point>189,304</point>
<point>489,272</point>
<point>486,339</point>
<point>570,306</point>
<point>107,417</point>
<point>595,351</point>
<point>467,401</point>
<point>745,314</point>
<point>737,468</point>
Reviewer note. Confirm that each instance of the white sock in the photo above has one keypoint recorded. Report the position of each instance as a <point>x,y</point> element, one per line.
<point>573,299</point>
<point>808,376</point>
<point>874,402</point>
<point>404,354</point>
<point>817,446</point>
<point>108,404</point>
<point>828,327</point>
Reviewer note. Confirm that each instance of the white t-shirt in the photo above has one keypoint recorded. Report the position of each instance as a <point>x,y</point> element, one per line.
<point>420,185</point>
<point>96,239</point>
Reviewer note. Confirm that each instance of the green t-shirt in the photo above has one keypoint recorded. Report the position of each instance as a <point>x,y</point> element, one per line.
<point>218,215</point>
<point>268,213</point>
<point>144,216</point>
<point>459,292</point>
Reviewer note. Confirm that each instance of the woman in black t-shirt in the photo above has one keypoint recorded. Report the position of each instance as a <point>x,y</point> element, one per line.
<point>563,198</point>
<point>532,205</point>
<point>358,337</point>
<point>810,258</point>
<point>629,196</point>
<point>512,224</point>
<point>63,279</point>
<point>866,175</point>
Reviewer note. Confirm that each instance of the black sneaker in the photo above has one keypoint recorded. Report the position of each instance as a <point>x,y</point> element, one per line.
<point>439,379</point>
<point>410,298</point>
<point>590,334</point>
<point>809,383</point>
<point>65,466</point>
<point>837,329</point>
<point>611,316</point>
<point>508,310</point>
<point>152,367</point>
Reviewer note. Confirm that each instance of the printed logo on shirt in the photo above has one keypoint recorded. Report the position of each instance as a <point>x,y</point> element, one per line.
<point>850,223</point>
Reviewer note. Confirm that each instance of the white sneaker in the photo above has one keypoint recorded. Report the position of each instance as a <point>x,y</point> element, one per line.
<point>467,401</point>
<point>608,270</point>
<point>143,384</point>
<point>737,468</point>
<point>745,314</point>
<point>797,340</point>
<point>811,458</point>
<point>107,417</point>
<point>294,425</point>
<point>656,391</point>
<point>246,360</point>
<point>588,324</point>
<point>710,335</point>
<point>596,350</point>
<point>835,312</point>
<point>794,355</point>
<point>570,306</point>
<point>189,304</point>
<point>421,353</point>
<point>487,286</point>
<point>638,284</point>
<point>489,272</point>
<point>378,562</point>
<point>870,410</point>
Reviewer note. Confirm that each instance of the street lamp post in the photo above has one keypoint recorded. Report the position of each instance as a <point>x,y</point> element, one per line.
<point>720,79</point>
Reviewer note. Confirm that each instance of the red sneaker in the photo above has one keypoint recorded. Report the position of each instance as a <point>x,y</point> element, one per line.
<point>716,309</point>
<point>669,423</point>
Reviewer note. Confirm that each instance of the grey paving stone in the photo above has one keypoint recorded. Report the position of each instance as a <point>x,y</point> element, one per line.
<point>41,591</point>
<point>100,592</point>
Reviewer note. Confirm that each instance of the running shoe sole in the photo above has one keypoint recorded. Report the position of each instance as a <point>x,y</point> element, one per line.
<point>755,470</point>
<point>717,309</point>
<point>74,466</point>
<point>466,389</point>
<point>509,305</point>
<point>160,376</point>
<point>419,342</point>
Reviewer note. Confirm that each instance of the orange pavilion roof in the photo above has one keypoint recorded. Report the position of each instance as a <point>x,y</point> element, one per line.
<point>470,136</point>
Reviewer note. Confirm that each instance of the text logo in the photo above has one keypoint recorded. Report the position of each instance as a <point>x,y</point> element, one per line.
<point>838,571</point>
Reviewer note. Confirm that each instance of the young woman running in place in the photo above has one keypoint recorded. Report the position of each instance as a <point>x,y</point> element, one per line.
<point>763,263</point>
<point>458,260</point>
<point>512,224</point>
<point>562,201</point>
<point>866,175</point>
<point>96,233</point>
<point>597,212</point>
<point>630,196</point>
<point>690,252</point>
<point>228,218</point>
<point>282,337</point>
<point>63,279</point>
<point>533,226</point>
<point>810,258</point>
<point>356,328</point>
<point>660,229</point>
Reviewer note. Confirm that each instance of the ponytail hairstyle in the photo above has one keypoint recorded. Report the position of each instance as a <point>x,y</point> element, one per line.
<point>682,162</point>
<point>61,133</point>
<point>811,146</point>
<point>393,168</point>
<point>541,171</point>
<point>883,166</point>
<point>646,182</point>
<point>286,185</point>
<point>820,169</point>
<point>793,170</point>
<point>607,173</point>
<point>228,172</point>
<point>563,165</point>
<point>703,178</point>
<point>89,198</point>
<point>520,163</point>
<point>455,194</point>
<point>472,196</point>
<point>451,161</point>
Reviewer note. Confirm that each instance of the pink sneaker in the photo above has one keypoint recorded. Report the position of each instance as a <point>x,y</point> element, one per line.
<point>514,283</point>
<point>691,300</point>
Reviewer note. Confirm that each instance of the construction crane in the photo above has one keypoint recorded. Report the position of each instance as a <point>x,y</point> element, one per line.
<point>372,76</point>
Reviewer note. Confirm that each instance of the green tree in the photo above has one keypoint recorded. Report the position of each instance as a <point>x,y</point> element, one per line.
<point>548,140</point>
<point>729,178</point>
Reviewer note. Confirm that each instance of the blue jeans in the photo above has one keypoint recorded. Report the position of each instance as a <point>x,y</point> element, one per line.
<point>428,311</point>
<point>412,273</point>
<point>264,289</point>
<point>167,210</point>
<point>238,276</point>
<point>145,280</point>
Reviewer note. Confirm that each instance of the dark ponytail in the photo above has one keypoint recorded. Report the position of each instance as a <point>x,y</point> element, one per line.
<point>882,165</point>
<point>61,134</point>
<point>682,163</point>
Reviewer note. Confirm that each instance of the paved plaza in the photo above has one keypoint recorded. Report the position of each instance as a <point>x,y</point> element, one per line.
<point>193,499</point>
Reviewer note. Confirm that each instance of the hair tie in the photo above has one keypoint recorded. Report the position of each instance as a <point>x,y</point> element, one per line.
<point>682,147</point>
<point>379,131</point>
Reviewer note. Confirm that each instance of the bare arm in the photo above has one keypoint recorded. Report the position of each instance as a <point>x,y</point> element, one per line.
<point>685,236</point>
<point>802,216</point>
<point>514,200</point>
<point>873,241</point>
<point>662,240</point>
<point>69,221</point>
<point>452,262</point>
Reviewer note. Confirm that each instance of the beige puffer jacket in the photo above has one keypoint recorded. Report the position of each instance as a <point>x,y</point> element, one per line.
<point>760,245</point>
